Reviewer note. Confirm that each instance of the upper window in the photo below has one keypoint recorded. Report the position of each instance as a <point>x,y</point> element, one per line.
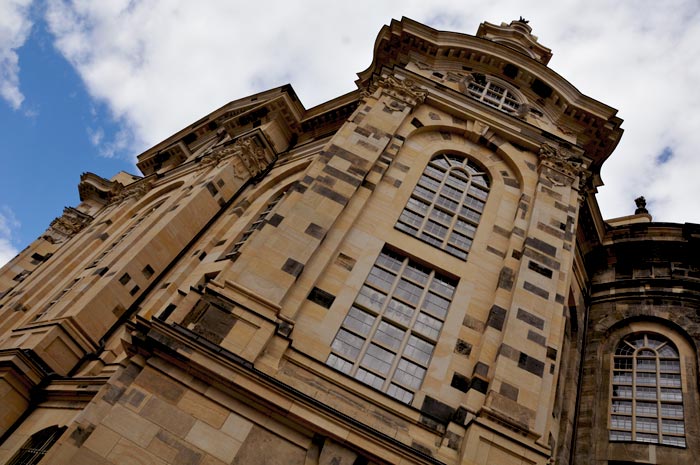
<point>446,205</point>
<point>389,334</point>
<point>493,94</point>
<point>646,396</point>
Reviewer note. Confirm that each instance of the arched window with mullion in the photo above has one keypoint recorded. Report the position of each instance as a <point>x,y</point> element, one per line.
<point>445,207</point>
<point>646,395</point>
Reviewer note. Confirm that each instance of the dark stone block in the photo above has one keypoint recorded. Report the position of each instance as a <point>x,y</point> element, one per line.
<point>530,319</point>
<point>497,317</point>
<point>329,193</point>
<point>460,416</point>
<point>416,123</point>
<point>541,246</point>
<point>551,353</point>
<point>321,297</point>
<point>437,410</point>
<point>421,448</point>
<point>506,278</point>
<point>368,185</point>
<point>80,434</point>
<point>341,175</point>
<point>558,298</point>
<point>463,347</point>
<point>275,220</point>
<point>537,268</point>
<point>315,231</point>
<point>495,251</point>
<point>541,258</point>
<point>480,385</point>
<point>460,382</point>
<point>538,291</point>
<point>212,189</point>
<point>113,394</point>
<point>363,131</point>
<point>293,267</point>
<point>481,369</point>
<point>129,373</point>
<point>509,391</point>
<point>511,182</point>
<point>531,364</point>
<point>509,352</point>
<point>536,338</point>
<point>214,324</point>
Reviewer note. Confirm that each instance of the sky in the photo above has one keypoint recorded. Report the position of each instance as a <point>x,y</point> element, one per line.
<point>88,85</point>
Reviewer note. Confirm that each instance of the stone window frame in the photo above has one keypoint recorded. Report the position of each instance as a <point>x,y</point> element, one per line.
<point>389,334</point>
<point>36,447</point>
<point>446,205</point>
<point>638,394</point>
<point>265,214</point>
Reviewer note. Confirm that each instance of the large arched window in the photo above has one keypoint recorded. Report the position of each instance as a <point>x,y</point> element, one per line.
<point>37,445</point>
<point>646,396</point>
<point>390,332</point>
<point>446,205</point>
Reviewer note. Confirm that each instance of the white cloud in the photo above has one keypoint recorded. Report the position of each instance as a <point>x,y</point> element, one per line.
<point>159,65</point>
<point>8,224</point>
<point>15,25</point>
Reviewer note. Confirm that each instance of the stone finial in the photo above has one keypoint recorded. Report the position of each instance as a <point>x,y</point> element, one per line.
<point>641,203</point>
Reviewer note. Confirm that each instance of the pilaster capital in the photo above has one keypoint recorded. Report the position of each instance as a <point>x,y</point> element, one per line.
<point>135,190</point>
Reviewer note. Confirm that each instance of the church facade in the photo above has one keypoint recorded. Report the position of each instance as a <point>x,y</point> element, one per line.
<point>416,272</point>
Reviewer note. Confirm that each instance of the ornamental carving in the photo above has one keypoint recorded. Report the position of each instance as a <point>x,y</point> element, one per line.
<point>249,156</point>
<point>567,164</point>
<point>66,226</point>
<point>135,190</point>
<point>405,92</point>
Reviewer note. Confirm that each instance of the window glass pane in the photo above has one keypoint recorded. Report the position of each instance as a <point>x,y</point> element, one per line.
<point>339,363</point>
<point>389,335</point>
<point>621,406</point>
<point>671,394</point>
<point>419,350</point>
<point>646,408</point>
<point>436,305</point>
<point>672,426</point>
<point>672,410</point>
<point>409,374</point>
<point>674,441</point>
<point>400,393</point>
<point>369,378</point>
<point>646,379</point>
<point>670,380</point>
<point>620,436</point>
<point>359,321</point>
<point>650,425</point>
<point>622,377</point>
<point>644,437</point>
<point>348,344</point>
<point>371,298</point>
<point>646,393</point>
<point>399,312</point>
<point>428,326</point>
<point>408,291</point>
<point>622,391</point>
<point>623,363</point>
<point>378,359</point>
<point>621,422</point>
<point>646,364</point>
<point>671,366</point>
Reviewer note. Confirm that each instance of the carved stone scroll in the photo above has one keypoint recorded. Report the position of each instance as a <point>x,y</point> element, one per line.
<point>404,93</point>
<point>250,156</point>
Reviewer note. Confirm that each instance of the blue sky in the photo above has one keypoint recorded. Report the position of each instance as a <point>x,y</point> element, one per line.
<point>87,85</point>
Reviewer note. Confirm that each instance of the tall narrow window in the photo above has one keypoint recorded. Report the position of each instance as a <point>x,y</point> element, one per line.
<point>389,334</point>
<point>446,206</point>
<point>646,396</point>
<point>255,225</point>
<point>36,446</point>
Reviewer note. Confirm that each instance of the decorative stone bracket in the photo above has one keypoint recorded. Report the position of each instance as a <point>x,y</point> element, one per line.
<point>251,154</point>
<point>402,92</point>
<point>66,226</point>
<point>563,162</point>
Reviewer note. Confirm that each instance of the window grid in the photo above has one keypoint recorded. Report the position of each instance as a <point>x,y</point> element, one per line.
<point>494,95</point>
<point>646,395</point>
<point>255,225</point>
<point>446,206</point>
<point>389,334</point>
